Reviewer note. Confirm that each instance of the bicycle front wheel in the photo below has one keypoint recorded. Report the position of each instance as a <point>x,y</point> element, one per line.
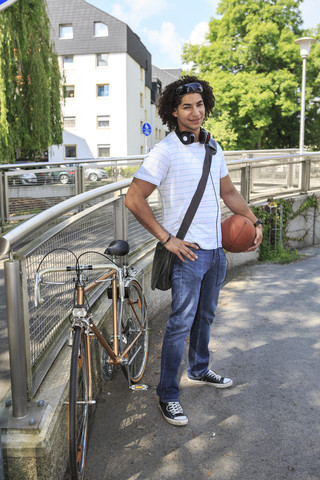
<point>134,330</point>
<point>79,397</point>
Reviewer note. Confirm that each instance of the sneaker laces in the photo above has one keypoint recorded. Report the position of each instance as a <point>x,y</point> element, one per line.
<point>174,408</point>
<point>213,375</point>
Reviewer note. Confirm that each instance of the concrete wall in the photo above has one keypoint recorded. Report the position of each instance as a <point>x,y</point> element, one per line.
<point>41,452</point>
<point>304,230</point>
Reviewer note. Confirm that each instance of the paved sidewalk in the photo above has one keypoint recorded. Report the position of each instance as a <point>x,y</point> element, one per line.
<point>266,337</point>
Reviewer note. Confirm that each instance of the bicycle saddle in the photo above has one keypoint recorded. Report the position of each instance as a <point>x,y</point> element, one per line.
<point>118,248</point>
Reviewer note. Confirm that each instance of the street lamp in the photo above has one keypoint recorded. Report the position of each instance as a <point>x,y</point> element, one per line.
<point>305,45</point>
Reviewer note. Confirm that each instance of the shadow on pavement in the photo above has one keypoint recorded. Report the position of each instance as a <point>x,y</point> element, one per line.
<point>266,337</point>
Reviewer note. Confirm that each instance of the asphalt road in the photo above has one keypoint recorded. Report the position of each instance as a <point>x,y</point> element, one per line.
<point>266,337</point>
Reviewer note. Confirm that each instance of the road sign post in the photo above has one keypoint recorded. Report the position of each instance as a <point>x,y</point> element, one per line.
<point>146,130</point>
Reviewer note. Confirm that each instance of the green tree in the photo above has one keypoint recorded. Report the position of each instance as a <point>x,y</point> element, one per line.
<point>30,82</point>
<point>312,125</point>
<point>254,66</point>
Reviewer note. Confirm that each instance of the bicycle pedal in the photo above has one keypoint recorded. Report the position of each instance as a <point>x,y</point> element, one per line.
<point>139,387</point>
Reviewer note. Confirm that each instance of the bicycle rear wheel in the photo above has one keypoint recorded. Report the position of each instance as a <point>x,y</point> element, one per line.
<point>134,322</point>
<point>79,396</point>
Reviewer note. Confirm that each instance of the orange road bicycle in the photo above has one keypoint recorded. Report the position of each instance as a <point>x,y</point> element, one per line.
<point>127,347</point>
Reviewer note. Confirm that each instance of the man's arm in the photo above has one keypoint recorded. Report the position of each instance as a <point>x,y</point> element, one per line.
<point>136,202</point>
<point>238,205</point>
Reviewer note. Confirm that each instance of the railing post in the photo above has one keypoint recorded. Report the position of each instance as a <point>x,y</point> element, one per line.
<point>5,197</point>
<point>2,477</point>
<point>16,336</point>
<point>80,181</point>
<point>2,221</point>
<point>245,182</point>
<point>120,225</point>
<point>305,180</point>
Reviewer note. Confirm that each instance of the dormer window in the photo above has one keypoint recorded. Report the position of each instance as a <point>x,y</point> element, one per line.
<point>100,29</point>
<point>66,30</point>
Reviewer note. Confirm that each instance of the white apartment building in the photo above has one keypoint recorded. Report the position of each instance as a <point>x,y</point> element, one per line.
<point>109,89</point>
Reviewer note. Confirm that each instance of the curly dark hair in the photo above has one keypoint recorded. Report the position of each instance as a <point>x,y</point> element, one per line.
<point>168,101</point>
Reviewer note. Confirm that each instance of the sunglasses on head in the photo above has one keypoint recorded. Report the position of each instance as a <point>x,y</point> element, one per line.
<point>189,88</point>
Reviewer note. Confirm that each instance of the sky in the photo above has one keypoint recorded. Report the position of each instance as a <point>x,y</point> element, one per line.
<point>164,26</point>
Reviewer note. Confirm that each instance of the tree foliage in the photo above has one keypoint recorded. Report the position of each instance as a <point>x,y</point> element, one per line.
<point>30,111</point>
<point>255,69</point>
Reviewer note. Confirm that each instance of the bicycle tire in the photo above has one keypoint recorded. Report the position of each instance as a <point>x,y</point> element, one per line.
<point>134,319</point>
<point>78,412</point>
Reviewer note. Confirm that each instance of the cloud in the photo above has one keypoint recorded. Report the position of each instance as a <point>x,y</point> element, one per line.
<point>134,13</point>
<point>198,34</point>
<point>168,42</point>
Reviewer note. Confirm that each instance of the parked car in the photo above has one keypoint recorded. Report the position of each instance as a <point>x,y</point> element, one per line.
<point>21,177</point>
<point>95,174</point>
<point>67,175</point>
<point>44,175</point>
<point>62,174</point>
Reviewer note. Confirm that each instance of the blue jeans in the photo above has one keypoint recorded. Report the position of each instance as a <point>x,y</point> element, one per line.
<point>195,292</point>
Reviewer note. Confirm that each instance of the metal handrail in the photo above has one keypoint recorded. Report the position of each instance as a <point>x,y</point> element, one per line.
<point>110,160</point>
<point>10,239</point>
<point>273,157</point>
<point>72,162</point>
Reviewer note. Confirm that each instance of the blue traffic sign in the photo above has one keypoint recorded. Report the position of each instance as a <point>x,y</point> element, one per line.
<point>146,129</point>
<point>6,3</point>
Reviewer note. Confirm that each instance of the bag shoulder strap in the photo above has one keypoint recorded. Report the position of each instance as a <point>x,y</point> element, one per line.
<point>211,149</point>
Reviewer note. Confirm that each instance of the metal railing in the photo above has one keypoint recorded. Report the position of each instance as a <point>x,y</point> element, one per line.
<point>29,188</point>
<point>261,178</point>
<point>86,222</point>
<point>89,221</point>
<point>257,174</point>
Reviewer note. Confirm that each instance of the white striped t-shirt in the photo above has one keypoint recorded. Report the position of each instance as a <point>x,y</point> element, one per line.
<point>176,169</point>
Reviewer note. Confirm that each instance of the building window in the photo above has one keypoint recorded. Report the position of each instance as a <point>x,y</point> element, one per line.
<point>141,73</point>
<point>66,30</point>
<point>100,29</point>
<point>103,121</point>
<point>70,151</point>
<point>141,150</point>
<point>102,60</point>
<point>141,99</point>
<point>69,89</point>
<point>141,125</point>
<point>69,122</point>
<point>67,61</point>
<point>103,90</point>
<point>103,151</point>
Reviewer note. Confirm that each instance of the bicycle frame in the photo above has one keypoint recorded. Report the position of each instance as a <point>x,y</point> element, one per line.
<point>80,315</point>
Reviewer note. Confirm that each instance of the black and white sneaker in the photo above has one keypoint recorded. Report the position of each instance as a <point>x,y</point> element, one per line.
<point>213,379</point>
<point>173,413</point>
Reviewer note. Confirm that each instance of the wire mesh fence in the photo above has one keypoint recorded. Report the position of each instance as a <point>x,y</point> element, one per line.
<point>86,234</point>
<point>28,190</point>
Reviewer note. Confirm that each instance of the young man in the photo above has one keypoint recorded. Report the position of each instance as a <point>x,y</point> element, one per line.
<point>175,167</point>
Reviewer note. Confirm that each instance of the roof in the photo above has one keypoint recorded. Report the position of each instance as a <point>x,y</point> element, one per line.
<point>82,15</point>
<point>166,75</point>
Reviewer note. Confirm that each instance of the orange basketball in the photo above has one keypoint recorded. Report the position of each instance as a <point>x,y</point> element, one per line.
<point>238,233</point>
